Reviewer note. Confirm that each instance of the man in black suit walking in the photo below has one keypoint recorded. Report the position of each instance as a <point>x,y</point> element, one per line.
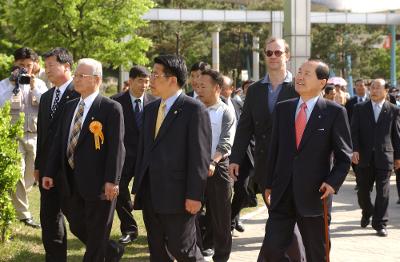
<point>133,102</point>
<point>306,133</point>
<point>173,161</point>
<point>58,64</point>
<point>86,161</point>
<point>375,130</point>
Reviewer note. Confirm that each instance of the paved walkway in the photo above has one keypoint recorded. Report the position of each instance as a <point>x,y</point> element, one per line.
<point>350,242</point>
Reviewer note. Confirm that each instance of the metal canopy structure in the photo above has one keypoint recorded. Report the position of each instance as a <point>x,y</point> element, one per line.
<point>249,16</point>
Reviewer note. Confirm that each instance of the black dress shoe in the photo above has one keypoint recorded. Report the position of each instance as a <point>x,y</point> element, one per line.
<point>239,227</point>
<point>382,232</point>
<point>114,251</point>
<point>30,223</point>
<point>208,252</point>
<point>127,238</point>
<point>365,221</point>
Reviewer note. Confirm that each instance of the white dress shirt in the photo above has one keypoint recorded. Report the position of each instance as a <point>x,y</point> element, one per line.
<point>310,106</point>
<point>62,89</point>
<point>377,108</point>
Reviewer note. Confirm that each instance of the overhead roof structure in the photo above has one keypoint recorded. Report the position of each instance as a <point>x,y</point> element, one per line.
<point>251,16</point>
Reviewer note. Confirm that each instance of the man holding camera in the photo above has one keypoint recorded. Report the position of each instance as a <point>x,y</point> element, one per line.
<point>23,91</point>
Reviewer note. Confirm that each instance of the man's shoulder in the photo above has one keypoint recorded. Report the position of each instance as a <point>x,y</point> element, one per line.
<point>149,97</point>
<point>118,96</point>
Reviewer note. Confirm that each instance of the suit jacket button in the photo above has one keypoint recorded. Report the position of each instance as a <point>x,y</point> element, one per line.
<point>264,136</point>
<point>262,151</point>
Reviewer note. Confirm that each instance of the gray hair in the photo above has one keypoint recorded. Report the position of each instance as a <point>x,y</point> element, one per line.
<point>94,64</point>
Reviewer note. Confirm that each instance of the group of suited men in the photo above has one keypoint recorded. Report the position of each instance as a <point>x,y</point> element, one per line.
<point>185,152</point>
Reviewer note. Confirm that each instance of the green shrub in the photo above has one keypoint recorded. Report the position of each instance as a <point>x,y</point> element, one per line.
<point>5,65</point>
<point>10,167</point>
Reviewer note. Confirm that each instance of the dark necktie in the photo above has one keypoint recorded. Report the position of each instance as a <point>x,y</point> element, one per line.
<point>138,113</point>
<point>55,103</point>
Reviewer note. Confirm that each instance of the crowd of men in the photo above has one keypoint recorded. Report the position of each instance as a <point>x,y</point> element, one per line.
<point>196,159</point>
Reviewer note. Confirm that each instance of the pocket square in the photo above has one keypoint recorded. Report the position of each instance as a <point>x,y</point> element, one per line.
<point>321,129</point>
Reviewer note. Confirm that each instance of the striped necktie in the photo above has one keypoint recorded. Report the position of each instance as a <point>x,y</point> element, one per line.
<point>76,129</point>
<point>55,103</point>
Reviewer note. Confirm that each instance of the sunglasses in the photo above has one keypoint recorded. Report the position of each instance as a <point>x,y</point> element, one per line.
<point>277,53</point>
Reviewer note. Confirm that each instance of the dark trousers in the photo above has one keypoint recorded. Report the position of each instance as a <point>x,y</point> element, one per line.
<point>54,234</point>
<point>241,194</point>
<point>124,207</point>
<point>91,222</point>
<point>398,182</point>
<point>218,211</point>
<point>169,236</point>
<point>280,228</point>
<point>367,177</point>
<point>355,169</point>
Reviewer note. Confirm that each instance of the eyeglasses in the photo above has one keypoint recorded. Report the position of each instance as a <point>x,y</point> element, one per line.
<point>154,75</point>
<point>269,53</point>
<point>78,76</point>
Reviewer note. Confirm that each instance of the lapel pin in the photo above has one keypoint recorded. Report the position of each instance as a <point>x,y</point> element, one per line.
<point>67,97</point>
<point>92,118</point>
<point>319,116</point>
<point>175,112</point>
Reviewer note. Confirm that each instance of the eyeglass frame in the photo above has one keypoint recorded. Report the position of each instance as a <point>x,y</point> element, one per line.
<point>81,76</point>
<point>155,76</point>
<point>277,53</point>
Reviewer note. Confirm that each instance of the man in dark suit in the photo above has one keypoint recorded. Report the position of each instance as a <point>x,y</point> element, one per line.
<point>307,132</point>
<point>132,101</point>
<point>195,72</point>
<point>361,96</point>
<point>58,64</point>
<point>173,161</point>
<point>86,162</point>
<point>375,130</point>
<point>256,117</point>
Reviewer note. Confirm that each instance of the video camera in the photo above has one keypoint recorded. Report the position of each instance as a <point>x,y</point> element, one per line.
<point>20,75</point>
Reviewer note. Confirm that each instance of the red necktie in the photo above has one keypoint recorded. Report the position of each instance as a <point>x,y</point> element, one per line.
<point>301,122</point>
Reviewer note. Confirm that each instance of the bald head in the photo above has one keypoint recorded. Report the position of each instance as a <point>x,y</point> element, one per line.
<point>227,87</point>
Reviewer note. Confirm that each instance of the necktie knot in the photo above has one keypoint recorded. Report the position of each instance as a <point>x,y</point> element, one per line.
<point>303,106</point>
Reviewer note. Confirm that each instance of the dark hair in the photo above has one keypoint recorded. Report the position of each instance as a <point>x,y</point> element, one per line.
<point>200,66</point>
<point>62,55</point>
<point>329,88</point>
<point>247,82</point>
<point>216,76</point>
<point>138,71</point>
<point>322,70</point>
<point>25,53</point>
<point>173,66</point>
<point>388,86</point>
<point>359,80</point>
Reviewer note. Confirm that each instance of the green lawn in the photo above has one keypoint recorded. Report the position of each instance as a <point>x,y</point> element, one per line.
<point>26,244</point>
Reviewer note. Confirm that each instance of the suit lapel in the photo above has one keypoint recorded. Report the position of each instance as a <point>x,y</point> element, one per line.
<point>48,104</point>
<point>291,123</point>
<point>317,115</point>
<point>69,118</point>
<point>173,112</point>
<point>128,108</point>
<point>370,113</point>
<point>91,115</point>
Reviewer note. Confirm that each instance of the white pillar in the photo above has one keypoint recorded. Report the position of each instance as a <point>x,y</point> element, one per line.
<point>297,30</point>
<point>256,58</point>
<point>277,24</point>
<point>215,50</point>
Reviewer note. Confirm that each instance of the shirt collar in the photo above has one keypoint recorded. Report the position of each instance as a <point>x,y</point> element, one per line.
<point>171,100</point>
<point>64,86</point>
<point>216,105</point>
<point>380,104</point>
<point>90,99</point>
<point>288,78</point>
<point>310,103</point>
<point>134,97</point>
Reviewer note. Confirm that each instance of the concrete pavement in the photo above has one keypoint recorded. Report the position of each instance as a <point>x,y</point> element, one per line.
<point>350,242</point>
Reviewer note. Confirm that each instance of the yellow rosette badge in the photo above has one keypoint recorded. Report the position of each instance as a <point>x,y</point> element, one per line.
<point>95,127</point>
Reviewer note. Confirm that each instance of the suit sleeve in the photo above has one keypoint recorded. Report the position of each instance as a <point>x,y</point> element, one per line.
<point>244,131</point>
<point>396,134</point>
<point>199,153</point>
<point>116,150</point>
<point>342,150</point>
<point>272,151</point>
<point>355,127</point>
<point>39,134</point>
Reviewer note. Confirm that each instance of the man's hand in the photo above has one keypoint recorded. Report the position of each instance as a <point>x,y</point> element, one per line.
<point>234,171</point>
<point>326,189</point>
<point>32,83</point>
<point>267,196</point>
<point>355,158</point>
<point>111,191</point>
<point>211,170</point>
<point>192,206</point>
<point>36,175</point>
<point>47,183</point>
<point>396,164</point>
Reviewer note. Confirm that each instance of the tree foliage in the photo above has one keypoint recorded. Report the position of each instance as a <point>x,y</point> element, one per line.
<point>10,168</point>
<point>105,30</point>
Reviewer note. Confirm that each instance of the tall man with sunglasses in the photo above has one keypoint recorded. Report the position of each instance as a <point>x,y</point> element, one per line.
<point>256,118</point>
